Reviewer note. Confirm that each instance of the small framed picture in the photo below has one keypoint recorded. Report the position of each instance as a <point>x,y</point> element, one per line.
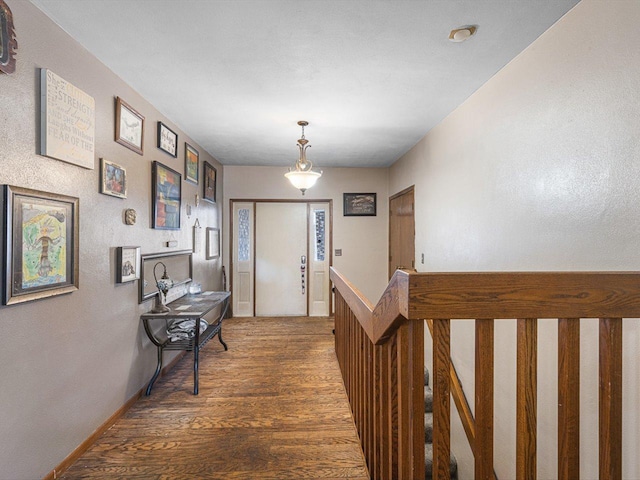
<point>213,243</point>
<point>129,126</point>
<point>359,204</point>
<point>167,140</point>
<point>41,244</point>
<point>113,179</point>
<point>8,42</point>
<point>191,163</point>
<point>209,184</point>
<point>167,196</point>
<point>127,264</point>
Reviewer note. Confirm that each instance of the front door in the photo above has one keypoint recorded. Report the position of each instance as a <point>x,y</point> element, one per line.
<point>281,257</point>
<point>402,231</point>
<point>281,253</point>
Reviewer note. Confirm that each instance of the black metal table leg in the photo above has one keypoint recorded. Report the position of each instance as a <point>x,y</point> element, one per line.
<point>220,338</point>
<point>196,349</point>
<point>157,372</point>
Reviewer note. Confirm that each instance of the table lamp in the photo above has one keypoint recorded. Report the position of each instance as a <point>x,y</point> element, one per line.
<point>164,284</point>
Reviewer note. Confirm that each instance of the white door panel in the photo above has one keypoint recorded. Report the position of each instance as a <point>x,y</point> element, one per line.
<point>281,242</point>
<point>243,236</point>
<point>319,250</point>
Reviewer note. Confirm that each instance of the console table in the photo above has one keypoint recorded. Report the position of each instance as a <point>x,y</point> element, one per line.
<point>188,307</point>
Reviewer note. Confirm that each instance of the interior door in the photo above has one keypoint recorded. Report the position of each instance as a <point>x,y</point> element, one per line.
<point>402,231</point>
<point>281,252</point>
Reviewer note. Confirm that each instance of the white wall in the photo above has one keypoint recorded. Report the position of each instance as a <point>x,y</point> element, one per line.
<point>538,170</point>
<point>363,240</point>
<point>69,362</point>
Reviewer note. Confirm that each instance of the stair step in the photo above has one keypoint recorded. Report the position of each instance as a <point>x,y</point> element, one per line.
<point>428,460</point>
<point>428,427</point>
<point>428,399</point>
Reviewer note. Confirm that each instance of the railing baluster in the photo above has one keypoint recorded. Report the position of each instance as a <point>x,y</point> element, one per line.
<point>484,400</point>
<point>441,402</point>
<point>526,403</point>
<point>410,395</point>
<point>393,401</point>
<point>568,398</point>
<point>610,398</point>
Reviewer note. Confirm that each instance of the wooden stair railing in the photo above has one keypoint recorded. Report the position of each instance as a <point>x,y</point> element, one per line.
<point>380,353</point>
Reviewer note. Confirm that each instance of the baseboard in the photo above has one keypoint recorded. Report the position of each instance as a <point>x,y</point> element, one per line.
<point>84,446</point>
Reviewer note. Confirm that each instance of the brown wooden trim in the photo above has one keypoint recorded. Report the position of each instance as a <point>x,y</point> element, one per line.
<point>526,403</point>
<point>441,404</point>
<point>484,400</point>
<point>568,398</point>
<point>106,425</point>
<point>524,295</point>
<point>610,425</point>
<point>402,192</point>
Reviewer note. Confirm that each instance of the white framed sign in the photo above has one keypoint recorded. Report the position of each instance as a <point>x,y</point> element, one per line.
<point>67,121</point>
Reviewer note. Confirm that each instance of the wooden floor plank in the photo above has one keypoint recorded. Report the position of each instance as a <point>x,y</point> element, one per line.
<point>271,407</point>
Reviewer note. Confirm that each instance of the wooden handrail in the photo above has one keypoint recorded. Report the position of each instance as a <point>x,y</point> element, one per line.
<point>524,297</point>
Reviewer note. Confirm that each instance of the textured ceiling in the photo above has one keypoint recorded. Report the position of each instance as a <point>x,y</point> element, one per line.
<point>370,77</point>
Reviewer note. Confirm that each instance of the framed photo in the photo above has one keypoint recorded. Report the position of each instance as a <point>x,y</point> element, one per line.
<point>113,179</point>
<point>40,244</point>
<point>127,264</point>
<point>167,140</point>
<point>129,126</point>
<point>8,42</point>
<point>209,184</point>
<point>167,196</point>
<point>359,204</point>
<point>213,243</point>
<point>191,163</point>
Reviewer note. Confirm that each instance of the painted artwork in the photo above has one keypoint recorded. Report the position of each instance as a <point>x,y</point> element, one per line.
<point>209,184</point>
<point>167,194</point>
<point>191,164</point>
<point>114,179</point>
<point>44,252</point>
<point>43,233</point>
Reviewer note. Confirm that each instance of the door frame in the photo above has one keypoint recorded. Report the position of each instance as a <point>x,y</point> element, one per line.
<point>412,189</point>
<point>253,253</point>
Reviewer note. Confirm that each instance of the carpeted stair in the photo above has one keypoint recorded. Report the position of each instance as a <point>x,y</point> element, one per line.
<point>428,433</point>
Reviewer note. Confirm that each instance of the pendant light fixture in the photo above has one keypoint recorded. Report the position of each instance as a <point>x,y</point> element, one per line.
<point>301,175</point>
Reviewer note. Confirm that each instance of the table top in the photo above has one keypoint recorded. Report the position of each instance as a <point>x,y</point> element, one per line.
<point>191,305</point>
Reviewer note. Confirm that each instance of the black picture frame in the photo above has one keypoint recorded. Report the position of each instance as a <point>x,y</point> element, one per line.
<point>127,264</point>
<point>167,140</point>
<point>359,204</point>
<point>166,198</point>
<point>40,245</point>
<point>210,177</point>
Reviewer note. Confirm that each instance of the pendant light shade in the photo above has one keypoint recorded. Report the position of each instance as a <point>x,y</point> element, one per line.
<point>302,175</point>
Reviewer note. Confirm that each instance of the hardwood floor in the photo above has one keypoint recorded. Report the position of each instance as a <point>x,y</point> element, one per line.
<point>272,407</point>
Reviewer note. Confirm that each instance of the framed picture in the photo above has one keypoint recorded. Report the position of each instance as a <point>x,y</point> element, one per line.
<point>127,264</point>
<point>167,195</point>
<point>359,204</point>
<point>209,184</point>
<point>113,179</point>
<point>8,42</point>
<point>129,126</point>
<point>40,244</point>
<point>167,140</point>
<point>67,121</point>
<point>213,243</point>
<point>191,163</point>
